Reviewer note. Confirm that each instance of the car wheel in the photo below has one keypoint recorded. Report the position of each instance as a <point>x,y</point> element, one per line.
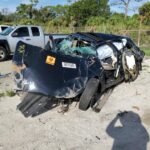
<point>88,93</point>
<point>3,53</point>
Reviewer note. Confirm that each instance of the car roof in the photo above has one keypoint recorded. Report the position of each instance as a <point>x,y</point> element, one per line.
<point>97,38</point>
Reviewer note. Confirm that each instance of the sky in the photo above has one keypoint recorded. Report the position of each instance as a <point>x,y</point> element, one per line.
<point>12,4</point>
<point>133,4</point>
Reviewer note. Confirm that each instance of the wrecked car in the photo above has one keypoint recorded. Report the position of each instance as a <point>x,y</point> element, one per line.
<point>83,67</point>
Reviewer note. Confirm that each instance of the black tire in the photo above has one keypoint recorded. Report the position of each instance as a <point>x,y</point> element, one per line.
<point>88,93</point>
<point>3,54</point>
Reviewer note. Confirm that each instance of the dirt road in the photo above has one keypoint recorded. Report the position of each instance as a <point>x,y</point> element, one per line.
<point>78,130</point>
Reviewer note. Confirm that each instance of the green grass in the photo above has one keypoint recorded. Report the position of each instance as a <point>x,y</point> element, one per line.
<point>10,93</point>
<point>147,51</point>
<point>145,66</point>
<point>2,94</point>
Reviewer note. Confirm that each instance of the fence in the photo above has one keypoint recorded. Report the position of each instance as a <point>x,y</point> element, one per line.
<point>140,36</point>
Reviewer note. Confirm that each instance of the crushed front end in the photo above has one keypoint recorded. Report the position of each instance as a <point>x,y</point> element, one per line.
<point>44,76</point>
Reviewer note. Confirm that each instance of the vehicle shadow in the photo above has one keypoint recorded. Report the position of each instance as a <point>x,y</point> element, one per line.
<point>130,134</point>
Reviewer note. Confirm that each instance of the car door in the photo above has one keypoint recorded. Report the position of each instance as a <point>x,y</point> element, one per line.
<point>21,33</point>
<point>37,37</point>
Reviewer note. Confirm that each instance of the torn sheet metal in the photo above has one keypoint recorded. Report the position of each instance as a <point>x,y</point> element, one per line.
<point>63,77</point>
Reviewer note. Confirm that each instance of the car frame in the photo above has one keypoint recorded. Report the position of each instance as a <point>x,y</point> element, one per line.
<point>61,75</point>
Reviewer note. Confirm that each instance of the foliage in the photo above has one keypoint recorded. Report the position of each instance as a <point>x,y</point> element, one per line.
<point>10,93</point>
<point>95,21</point>
<point>27,11</point>
<point>45,14</point>
<point>124,4</point>
<point>76,13</point>
<point>2,94</point>
<point>145,12</point>
<point>87,9</point>
<point>147,51</point>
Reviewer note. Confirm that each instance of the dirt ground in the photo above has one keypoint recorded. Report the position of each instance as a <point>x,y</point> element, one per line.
<point>78,130</point>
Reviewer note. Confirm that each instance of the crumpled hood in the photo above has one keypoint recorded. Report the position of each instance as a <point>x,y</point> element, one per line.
<point>52,73</point>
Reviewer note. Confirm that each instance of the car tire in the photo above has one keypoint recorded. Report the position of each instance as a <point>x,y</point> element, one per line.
<point>3,54</point>
<point>88,93</point>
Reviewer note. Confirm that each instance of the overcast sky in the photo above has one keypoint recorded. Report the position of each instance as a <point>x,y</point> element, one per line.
<point>12,4</point>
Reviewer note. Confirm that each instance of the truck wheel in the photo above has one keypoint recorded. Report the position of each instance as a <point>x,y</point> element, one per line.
<point>88,93</point>
<point>3,53</point>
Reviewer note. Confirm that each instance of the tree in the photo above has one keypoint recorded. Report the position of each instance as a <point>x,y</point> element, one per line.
<point>82,10</point>
<point>44,14</point>
<point>34,2</point>
<point>116,18</point>
<point>27,10</point>
<point>125,4</point>
<point>144,11</point>
<point>60,10</point>
<point>5,11</point>
<point>1,16</point>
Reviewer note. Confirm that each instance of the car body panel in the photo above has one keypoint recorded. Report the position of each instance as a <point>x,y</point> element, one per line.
<point>54,79</point>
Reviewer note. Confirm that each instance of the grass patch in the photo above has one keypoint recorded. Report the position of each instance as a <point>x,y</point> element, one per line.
<point>2,94</point>
<point>147,51</point>
<point>10,93</point>
<point>144,69</point>
<point>145,66</point>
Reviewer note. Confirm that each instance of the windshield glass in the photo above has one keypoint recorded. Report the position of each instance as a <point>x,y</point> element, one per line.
<point>76,47</point>
<point>7,31</point>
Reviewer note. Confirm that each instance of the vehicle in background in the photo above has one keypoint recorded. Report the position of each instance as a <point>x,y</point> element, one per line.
<point>29,34</point>
<point>3,27</point>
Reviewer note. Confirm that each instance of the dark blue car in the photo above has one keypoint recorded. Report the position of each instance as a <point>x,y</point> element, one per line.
<point>83,67</point>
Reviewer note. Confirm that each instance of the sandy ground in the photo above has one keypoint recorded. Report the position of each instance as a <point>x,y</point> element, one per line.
<point>78,130</point>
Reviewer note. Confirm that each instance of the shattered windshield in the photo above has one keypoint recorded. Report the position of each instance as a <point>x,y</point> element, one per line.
<point>76,47</point>
<point>7,31</point>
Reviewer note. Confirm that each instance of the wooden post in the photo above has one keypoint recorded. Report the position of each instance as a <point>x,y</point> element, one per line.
<point>139,32</point>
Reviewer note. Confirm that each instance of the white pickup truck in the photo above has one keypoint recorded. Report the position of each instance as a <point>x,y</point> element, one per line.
<point>3,27</point>
<point>29,34</point>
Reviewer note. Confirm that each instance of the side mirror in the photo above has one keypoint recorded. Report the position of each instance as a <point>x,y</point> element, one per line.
<point>15,34</point>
